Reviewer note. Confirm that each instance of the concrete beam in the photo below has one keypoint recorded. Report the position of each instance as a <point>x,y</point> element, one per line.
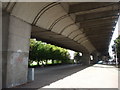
<point>85,6</point>
<point>99,35</point>
<point>105,25</point>
<point>100,41</point>
<point>58,39</point>
<point>97,32</point>
<point>102,29</point>
<point>114,18</point>
<point>95,16</point>
<point>98,22</point>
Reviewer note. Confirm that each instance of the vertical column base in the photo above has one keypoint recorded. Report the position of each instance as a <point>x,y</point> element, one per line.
<point>86,59</point>
<point>17,67</point>
<point>0,45</point>
<point>0,70</point>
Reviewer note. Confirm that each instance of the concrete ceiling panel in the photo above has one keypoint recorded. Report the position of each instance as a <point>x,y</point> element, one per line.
<point>74,33</point>
<point>86,43</point>
<point>102,9</point>
<point>62,24</point>
<point>82,39</point>
<point>50,15</point>
<point>27,11</point>
<point>96,15</point>
<point>87,6</point>
<point>79,37</point>
<point>69,29</point>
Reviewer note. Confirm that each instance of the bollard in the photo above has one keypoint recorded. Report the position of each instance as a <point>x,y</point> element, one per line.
<point>30,74</point>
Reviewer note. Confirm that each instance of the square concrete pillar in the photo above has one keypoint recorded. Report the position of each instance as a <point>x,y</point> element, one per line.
<point>0,45</point>
<point>5,33</point>
<point>16,51</point>
<point>95,58</point>
<point>86,59</point>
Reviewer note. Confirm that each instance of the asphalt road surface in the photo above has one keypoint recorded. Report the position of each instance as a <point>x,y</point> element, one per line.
<point>75,76</point>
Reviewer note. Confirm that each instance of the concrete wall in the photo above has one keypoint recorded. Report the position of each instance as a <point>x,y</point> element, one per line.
<point>0,45</point>
<point>16,50</point>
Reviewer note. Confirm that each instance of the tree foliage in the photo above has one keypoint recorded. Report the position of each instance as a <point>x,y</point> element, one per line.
<point>40,51</point>
<point>117,42</point>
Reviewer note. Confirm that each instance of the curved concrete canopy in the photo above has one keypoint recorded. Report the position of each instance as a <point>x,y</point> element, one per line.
<point>71,25</point>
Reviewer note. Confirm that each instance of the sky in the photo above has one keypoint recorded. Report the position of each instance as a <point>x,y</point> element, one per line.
<point>71,54</point>
<point>115,35</point>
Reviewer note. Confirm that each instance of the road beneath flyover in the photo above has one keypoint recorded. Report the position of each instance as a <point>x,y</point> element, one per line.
<point>75,76</point>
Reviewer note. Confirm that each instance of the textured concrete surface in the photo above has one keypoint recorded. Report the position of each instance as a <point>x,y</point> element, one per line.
<point>18,48</point>
<point>0,26</point>
<point>97,76</point>
<point>0,69</point>
<point>15,50</point>
<point>19,35</point>
<point>17,68</point>
<point>0,45</point>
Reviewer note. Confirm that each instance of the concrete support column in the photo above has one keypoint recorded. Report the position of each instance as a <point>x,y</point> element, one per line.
<point>0,45</point>
<point>86,58</point>
<point>95,58</point>
<point>16,50</point>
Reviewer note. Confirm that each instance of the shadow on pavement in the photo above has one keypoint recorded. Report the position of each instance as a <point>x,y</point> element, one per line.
<point>46,76</point>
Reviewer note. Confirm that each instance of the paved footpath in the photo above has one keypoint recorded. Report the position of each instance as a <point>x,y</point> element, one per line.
<point>97,76</point>
<point>75,76</point>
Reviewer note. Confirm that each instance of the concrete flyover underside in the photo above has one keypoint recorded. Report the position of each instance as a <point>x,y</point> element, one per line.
<point>82,26</point>
<point>85,25</point>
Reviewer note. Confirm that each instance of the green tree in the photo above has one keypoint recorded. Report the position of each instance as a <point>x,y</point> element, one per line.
<point>117,42</point>
<point>40,51</point>
<point>33,51</point>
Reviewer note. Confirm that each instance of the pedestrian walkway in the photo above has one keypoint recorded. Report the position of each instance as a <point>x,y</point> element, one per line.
<point>97,76</point>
